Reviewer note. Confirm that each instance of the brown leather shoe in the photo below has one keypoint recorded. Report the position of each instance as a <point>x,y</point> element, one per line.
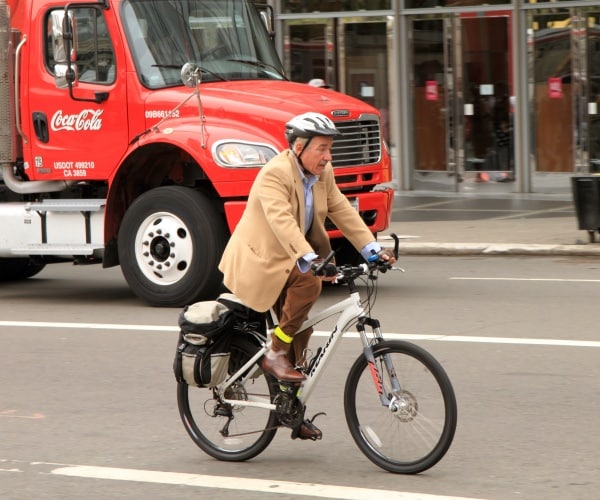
<point>280,367</point>
<point>307,430</point>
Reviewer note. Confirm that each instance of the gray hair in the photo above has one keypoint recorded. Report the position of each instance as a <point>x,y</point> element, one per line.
<point>300,140</point>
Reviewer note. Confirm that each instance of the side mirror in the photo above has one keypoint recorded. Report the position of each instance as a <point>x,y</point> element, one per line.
<point>60,76</point>
<point>267,17</point>
<point>63,48</point>
<point>191,75</point>
<point>63,30</point>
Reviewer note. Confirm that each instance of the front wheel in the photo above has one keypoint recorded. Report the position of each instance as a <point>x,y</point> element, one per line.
<point>415,429</point>
<point>170,243</point>
<point>227,431</point>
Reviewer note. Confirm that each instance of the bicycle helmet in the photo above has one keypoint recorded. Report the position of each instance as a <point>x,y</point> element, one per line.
<point>309,125</point>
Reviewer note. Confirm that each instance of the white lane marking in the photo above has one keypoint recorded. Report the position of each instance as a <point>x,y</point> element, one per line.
<point>13,414</point>
<point>555,280</point>
<point>95,326</point>
<point>506,340</point>
<point>321,333</point>
<point>241,483</point>
<point>483,340</point>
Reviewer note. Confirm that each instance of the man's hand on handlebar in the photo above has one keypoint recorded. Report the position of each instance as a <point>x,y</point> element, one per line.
<point>327,272</point>
<point>383,260</point>
<point>387,255</point>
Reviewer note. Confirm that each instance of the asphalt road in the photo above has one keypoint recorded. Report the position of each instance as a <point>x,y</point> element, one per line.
<point>87,381</point>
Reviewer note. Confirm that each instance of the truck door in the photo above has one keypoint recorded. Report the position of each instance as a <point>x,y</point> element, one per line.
<point>77,133</point>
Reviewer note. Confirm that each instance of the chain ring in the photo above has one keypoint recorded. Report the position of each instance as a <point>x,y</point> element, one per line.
<point>289,409</point>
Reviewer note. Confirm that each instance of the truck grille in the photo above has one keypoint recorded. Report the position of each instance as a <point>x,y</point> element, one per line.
<point>359,144</point>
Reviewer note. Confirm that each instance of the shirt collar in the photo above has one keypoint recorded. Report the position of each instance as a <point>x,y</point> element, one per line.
<point>308,179</point>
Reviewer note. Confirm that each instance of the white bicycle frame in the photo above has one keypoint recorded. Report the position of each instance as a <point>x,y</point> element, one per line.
<point>348,309</point>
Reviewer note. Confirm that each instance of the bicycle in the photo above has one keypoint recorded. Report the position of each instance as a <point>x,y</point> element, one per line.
<point>399,403</point>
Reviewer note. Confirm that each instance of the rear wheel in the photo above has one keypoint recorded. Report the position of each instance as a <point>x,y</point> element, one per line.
<point>170,243</point>
<point>416,429</point>
<point>19,268</point>
<point>224,431</point>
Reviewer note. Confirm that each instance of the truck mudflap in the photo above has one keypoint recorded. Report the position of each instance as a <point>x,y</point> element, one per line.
<point>375,208</point>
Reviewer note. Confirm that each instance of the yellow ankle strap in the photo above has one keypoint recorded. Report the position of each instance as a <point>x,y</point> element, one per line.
<point>281,335</point>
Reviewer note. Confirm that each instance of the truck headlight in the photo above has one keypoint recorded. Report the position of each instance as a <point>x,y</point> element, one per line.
<point>230,154</point>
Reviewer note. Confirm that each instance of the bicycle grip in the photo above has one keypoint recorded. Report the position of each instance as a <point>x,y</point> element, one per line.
<point>324,267</point>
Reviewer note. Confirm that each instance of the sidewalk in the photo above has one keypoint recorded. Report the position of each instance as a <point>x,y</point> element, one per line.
<point>430,225</point>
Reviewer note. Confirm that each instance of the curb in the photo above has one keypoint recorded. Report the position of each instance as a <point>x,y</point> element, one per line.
<point>407,248</point>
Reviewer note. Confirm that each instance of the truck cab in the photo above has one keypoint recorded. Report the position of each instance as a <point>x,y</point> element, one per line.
<point>137,127</point>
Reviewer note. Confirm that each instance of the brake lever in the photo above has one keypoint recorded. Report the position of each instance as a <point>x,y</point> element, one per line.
<point>396,244</point>
<point>326,261</point>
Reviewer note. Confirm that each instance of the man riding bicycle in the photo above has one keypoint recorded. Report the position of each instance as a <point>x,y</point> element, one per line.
<point>281,237</point>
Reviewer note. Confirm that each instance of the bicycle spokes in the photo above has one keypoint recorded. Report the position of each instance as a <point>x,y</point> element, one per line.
<point>412,425</point>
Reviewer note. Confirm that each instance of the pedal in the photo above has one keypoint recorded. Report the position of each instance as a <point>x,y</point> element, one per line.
<point>307,429</point>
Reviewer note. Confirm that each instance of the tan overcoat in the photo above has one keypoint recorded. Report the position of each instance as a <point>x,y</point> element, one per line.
<point>269,238</point>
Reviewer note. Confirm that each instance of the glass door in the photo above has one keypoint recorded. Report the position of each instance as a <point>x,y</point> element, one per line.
<point>565,56</point>
<point>434,100</point>
<point>556,96</point>
<point>462,87</point>
<point>488,117</point>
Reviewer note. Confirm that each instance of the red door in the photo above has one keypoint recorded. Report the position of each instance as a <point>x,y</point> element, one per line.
<point>71,136</point>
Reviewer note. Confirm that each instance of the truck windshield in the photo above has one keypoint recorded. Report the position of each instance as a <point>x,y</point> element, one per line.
<point>225,38</point>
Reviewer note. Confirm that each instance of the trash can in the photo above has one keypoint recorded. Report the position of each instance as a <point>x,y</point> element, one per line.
<point>586,196</point>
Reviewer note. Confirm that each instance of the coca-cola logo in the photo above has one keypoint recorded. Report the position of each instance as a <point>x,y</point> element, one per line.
<point>86,119</point>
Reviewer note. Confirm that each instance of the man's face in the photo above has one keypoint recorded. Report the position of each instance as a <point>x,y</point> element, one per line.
<point>316,155</point>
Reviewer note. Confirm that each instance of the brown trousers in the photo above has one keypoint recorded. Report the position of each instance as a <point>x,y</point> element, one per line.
<point>298,296</point>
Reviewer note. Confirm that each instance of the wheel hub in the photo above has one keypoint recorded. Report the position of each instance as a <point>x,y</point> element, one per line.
<point>404,406</point>
<point>164,248</point>
<point>237,392</point>
<point>160,248</point>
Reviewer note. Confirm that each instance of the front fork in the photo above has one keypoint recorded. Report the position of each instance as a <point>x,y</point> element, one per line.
<point>373,368</point>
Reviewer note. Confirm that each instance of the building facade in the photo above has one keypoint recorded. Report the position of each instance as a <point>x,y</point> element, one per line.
<point>490,96</point>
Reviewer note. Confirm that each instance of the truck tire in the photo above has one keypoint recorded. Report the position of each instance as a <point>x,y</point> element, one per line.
<point>19,268</point>
<point>170,243</point>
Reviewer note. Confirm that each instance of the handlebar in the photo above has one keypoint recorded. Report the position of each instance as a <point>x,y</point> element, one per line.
<point>352,272</point>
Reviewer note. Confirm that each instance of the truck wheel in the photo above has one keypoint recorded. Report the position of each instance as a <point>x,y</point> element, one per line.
<point>19,268</point>
<point>170,243</point>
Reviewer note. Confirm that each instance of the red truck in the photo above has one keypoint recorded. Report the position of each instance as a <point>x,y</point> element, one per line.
<point>131,132</point>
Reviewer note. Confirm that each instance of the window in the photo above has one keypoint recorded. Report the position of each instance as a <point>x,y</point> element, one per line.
<point>226,39</point>
<point>300,6</point>
<point>419,4</point>
<point>92,52</point>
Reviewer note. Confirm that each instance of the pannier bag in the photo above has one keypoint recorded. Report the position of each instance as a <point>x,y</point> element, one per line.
<point>246,319</point>
<point>202,322</point>
<point>202,355</point>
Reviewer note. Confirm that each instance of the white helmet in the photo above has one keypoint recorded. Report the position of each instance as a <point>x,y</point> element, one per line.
<point>309,125</point>
<point>319,82</point>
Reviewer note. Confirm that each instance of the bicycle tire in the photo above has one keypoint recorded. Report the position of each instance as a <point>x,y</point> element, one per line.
<point>248,437</point>
<point>418,434</point>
